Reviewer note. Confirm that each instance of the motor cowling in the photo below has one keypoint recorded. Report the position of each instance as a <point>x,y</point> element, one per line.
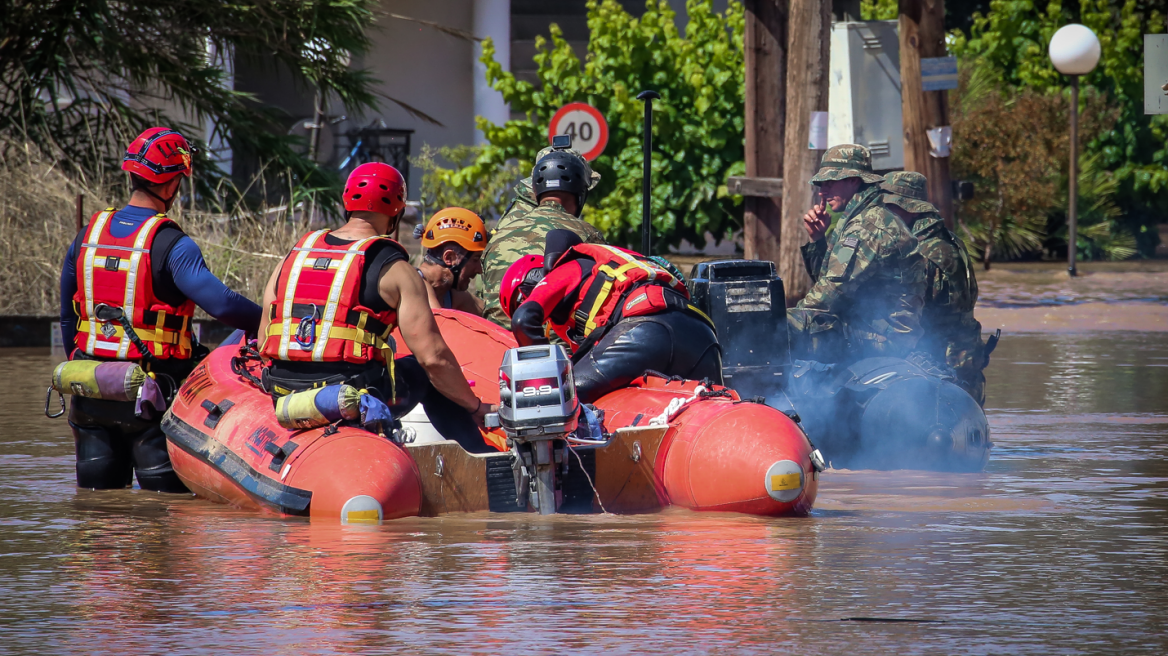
<point>537,394</point>
<point>746,302</point>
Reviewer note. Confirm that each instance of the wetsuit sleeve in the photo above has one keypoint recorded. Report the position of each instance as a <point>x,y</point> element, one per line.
<point>527,324</point>
<point>192,277</point>
<point>68,289</point>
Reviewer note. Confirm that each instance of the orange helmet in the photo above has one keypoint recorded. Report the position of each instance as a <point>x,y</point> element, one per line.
<point>459,225</point>
<point>455,224</point>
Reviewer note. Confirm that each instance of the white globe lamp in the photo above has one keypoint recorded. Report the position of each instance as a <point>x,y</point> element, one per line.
<point>1074,51</point>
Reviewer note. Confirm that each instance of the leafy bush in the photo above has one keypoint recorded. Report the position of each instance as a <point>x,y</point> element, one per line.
<point>1014,144</point>
<point>698,123</point>
<point>879,9</point>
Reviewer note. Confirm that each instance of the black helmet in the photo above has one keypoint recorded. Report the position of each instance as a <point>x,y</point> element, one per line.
<point>561,171</point>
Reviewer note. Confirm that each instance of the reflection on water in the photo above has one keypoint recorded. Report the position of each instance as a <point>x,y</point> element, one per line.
<point>1058,547</point>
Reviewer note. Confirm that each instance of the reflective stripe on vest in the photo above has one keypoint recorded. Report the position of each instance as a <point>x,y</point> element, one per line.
<point>89,251</point>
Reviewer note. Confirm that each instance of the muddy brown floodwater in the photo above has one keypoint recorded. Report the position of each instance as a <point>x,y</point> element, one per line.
<point>1061,546</point>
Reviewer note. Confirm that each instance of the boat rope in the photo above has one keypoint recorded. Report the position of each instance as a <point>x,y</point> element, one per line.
<point>675,406</point>
<point>677,403</point>
<point>589,478</point>
<point>239,364</point>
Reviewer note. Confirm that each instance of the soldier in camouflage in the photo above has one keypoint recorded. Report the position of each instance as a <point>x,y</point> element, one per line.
<point>523,228</point>
<point>951,334</point>
<point>869,278</point>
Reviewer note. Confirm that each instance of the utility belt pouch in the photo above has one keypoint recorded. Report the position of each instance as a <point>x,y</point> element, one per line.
<point>124,382</point>
<point>646,300</point>
<point>331,404</point>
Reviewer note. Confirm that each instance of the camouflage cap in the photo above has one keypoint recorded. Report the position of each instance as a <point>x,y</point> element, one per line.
<point>909,190</point>
<point>523,190</point>
<point>846,161</point>
<point>595,177</point>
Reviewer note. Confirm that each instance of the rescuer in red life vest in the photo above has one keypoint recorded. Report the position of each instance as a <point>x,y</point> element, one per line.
<point>136,266</point>
<point>333,302</point>
<point>622,313</point>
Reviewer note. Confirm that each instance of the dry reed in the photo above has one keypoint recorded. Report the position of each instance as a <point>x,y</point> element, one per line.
<point>37,225</point>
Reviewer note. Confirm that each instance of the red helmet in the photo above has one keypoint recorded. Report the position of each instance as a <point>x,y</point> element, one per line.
<point>158,155</point>
<point>375,187</point>
<point>518,281</point>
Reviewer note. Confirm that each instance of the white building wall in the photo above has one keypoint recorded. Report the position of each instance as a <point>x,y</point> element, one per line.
<point>426,69</point>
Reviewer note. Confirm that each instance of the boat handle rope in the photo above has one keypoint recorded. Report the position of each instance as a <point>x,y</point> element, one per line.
<point>675,406</point>
<point>48,396</point>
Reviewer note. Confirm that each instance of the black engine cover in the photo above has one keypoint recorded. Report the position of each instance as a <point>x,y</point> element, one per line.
<point>745,299</point>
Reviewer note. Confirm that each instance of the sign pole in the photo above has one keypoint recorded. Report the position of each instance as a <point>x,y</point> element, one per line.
<point>922,35</point>
<point>646,211</point>
<point>765,46</point>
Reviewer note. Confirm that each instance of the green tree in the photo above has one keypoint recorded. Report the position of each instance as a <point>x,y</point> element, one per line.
<point>1009,44</point>
<point>698,124</point>
<point>79,78</point>
<point>879,9</point>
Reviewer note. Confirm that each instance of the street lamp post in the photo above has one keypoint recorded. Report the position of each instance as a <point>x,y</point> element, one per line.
<point>1074,51</point>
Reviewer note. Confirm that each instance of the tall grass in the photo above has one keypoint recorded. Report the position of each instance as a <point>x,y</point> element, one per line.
<point>37,225</point>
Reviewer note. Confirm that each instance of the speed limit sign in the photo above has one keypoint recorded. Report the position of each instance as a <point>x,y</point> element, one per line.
<point>587,126</point>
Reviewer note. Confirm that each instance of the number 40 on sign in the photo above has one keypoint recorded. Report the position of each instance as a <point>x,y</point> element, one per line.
<point>587,126</point>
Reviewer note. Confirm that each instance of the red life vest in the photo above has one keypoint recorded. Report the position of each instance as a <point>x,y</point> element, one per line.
<point>116,272</point>
<point>610,286</point>
<point>318,315</point>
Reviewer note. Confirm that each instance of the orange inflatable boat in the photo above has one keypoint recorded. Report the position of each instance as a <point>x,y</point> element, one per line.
<point>669,443</point>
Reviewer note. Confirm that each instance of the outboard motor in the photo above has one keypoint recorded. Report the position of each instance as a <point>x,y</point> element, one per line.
<point>537,409</point>
<point>888,413</point>
<point>746,302</point>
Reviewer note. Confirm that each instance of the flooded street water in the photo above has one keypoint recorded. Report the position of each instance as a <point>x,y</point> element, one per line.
<point>1060,546</point>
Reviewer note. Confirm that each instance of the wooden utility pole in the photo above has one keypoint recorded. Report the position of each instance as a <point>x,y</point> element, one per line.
<point>922,34</point>
<point>808,59</point>
<point>766,77</point>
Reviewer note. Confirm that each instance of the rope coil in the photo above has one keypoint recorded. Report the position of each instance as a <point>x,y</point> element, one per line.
<point>675,405</point>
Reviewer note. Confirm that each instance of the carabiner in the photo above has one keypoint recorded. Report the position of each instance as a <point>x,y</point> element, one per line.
<point>306,329</point>
<point>49,395</point>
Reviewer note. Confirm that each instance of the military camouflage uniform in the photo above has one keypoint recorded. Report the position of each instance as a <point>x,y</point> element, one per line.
<point>521,231</point>
<point>951,333</point>
<point>869,279</point>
